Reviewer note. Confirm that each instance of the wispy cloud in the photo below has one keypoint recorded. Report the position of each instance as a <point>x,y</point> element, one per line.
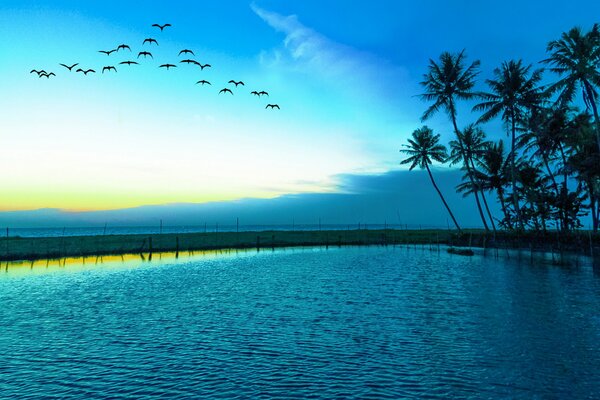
<point>306,49</point>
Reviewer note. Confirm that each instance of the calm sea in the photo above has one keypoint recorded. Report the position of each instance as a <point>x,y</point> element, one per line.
<point>361,322</point>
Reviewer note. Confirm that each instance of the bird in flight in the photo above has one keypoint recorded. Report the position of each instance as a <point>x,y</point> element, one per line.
<point>236,83</point>
<point>123,46</point>
<point>86,71</point>
<point>150,40</point>
<point>129,62</point>
<point>46,75</point>
<point>107,52</point>
<point>167,66</point>
<point>255,93</point>
<point>225,90</point>
<point>204,66</point>
<point>145,54</point>
<point>161,27</point>
<point>189,61</point>
<point>37,72</point>
<point>108,68</point>
<point>186,51</point>
<point>203,82</point>
<point>272,106</point>
<point>71,67</point>
<point>263,93</point>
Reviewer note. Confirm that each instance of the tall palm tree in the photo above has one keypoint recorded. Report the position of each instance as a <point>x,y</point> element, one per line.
<point>462,151</point>
<point>421,150</point>
<point>514,92</point>
<point>576,58</point>
<point>491,173</point>
<point>446,82</point>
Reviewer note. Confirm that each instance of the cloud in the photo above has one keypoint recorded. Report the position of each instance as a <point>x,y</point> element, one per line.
<point>308,50</point>
<point>396,197</point>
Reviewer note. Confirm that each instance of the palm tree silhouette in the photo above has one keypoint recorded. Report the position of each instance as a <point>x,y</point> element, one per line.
<point>445,83</point>
<point>468,148</point>
<point>575,57</point>
<point>514,92</point>
<point>421,150</point>
<point>491,173</point>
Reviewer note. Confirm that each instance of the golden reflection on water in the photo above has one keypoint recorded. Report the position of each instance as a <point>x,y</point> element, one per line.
<point>107,262</point>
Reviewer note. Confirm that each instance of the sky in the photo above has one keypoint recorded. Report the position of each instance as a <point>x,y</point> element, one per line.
<point>345,74</point>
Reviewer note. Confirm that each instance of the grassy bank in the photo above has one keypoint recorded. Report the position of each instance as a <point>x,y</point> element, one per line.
<point>17,248</point>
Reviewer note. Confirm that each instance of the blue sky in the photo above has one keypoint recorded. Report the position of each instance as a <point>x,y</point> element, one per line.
<point>345,75</point>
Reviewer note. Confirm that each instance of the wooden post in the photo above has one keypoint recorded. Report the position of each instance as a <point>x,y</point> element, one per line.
<point>258,243</point>
<point>150,244</point>
<point>176,246</point>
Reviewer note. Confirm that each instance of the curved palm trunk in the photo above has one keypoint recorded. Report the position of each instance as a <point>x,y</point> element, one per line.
<point>442,197</point>
<point>513,172</point>
<point>487,208</point>
<point>470,174</point>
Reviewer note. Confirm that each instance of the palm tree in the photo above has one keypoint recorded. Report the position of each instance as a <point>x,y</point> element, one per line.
<point>445,83</point>
<point>421,150</point>
<point>491,173</point>
<point>514,92</point>
<point>576,58</point>
<point>469,147</point>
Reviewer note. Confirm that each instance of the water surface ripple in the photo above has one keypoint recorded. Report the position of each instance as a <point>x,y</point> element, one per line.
<point>366,322</point>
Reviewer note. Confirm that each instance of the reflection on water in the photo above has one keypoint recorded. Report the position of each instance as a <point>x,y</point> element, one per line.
<point>107,262</point>
<point>356,322</point>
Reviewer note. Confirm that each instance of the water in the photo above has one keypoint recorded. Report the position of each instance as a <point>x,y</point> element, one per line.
<point>365,322</point>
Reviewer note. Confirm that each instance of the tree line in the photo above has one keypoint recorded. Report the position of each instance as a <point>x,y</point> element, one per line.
<point>547,174</point>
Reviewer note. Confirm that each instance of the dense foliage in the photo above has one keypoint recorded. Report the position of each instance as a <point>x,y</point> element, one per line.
<point>548,175</point>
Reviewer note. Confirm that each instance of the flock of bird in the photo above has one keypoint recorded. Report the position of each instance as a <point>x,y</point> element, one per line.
<point>150,42</point>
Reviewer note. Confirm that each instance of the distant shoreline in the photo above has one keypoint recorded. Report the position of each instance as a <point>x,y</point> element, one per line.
<point>36,248</point>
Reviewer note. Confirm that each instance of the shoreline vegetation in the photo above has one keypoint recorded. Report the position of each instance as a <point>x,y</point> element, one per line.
<point>547,176</point>
<point>41,248</point>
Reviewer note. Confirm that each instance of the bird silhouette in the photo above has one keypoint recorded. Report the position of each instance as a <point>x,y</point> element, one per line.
<point>186,51</point>
<point>161,27</point>
<point>123,46</point>
<point>47,75</point>
<point>71,67</point>
<point>37,72</point>
<point>255,93</point>
<point>203,82</point>
<point>236,83</point>
<point>189,61</point>
<point>272,106</point>
<point>167,66</point>
<point>107,52</point>
<point>108,68</point>
<point>129,62</point>
<point>263,93</point>
<point>225,90</point>
<point>86,71</point>
<point>150,40</point>
<point>145,54</point>
<point>204,66</point>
